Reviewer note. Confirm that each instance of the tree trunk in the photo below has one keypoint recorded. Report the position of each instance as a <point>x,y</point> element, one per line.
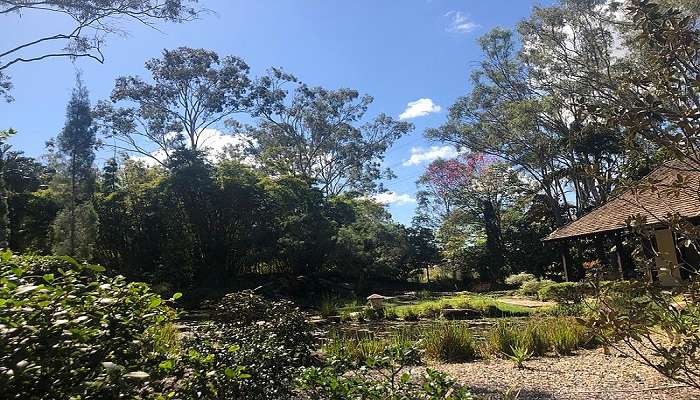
<point>493,240</point>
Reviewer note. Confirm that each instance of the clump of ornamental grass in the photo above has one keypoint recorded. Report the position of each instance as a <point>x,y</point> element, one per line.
<point>450,342</point>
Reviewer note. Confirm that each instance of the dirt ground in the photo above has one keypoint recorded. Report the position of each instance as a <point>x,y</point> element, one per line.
<point>590,374</point>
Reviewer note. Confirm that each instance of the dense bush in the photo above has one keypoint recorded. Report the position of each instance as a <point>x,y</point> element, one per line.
<point>564,292</point>
<point>530,288</point>
<point>451,342</point>
<point>68,331</point>
<point>517,280</point>
<point>271,339</point>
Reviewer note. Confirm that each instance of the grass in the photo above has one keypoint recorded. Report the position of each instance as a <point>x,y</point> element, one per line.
<point>488,306</point>
<point>165,338</point>
<point>361,347</point>
<point>449,342</point>
<point>562,335</point>
<point>328,307</point>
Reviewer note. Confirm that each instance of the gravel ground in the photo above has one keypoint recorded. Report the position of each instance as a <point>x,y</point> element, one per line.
<point>588,375</point>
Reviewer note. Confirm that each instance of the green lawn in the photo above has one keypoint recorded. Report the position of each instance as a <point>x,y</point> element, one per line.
<point>432,307</point>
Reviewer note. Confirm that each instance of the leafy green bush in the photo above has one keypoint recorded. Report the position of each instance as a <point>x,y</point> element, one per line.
<point>68,331</point>
<point>564,292</point>
<point>530,288</point>
<point>272,340</point>
<point>451,342</point>
<point>379,377</point>
<point>517,280</point>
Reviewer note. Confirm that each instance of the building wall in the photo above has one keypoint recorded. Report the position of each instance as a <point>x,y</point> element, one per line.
<point>666,259</point>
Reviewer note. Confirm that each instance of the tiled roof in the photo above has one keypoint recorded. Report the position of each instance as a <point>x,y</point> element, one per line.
<point>639,200</point>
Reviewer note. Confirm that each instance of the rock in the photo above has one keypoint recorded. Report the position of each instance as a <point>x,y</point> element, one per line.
<point>459,313</point>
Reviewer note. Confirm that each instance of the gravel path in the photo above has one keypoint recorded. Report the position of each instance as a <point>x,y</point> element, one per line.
<point>588,375</point>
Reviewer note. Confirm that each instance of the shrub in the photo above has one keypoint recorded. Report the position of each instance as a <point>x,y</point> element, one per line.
<point>381,377</point>
<point>410,315</point>
<point>271,337</point>
<point>328,383</point>
<point>530,288</point>
<point>390,313</point>
<point>517,280</point>
<point>564,292</point>
<point>449,342</point>
<point>328,307</point>
<point>68,331</point>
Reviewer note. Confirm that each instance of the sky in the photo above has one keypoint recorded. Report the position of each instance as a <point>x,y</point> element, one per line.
<point>413,56</point>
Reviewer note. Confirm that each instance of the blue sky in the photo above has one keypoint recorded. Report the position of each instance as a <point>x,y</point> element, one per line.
<point>397,51</point>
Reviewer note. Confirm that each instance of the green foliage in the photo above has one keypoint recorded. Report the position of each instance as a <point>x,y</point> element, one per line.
<point>328,307</point>
<point>449,342</point>
<point>564,292</point>
<point>69,331</point>
<point>532,287</point>
<point>371,368</point>
<point>362,348</point>
<point>637,315</point>
<point>272,340</point>
<point>519,354</point>
<point>74,232</point>
<point>517,280</point>
<point>302,127</point>
<point>538,336</point>
<point>330,384</point>
<point>483,304</point>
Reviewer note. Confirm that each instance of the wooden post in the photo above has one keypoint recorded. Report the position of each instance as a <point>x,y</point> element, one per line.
<point>563,262</point>
<point>618,253</point>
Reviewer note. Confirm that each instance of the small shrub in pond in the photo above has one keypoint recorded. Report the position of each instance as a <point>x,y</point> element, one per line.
<point>530,288</point>
<point>328,307</point>
<point>450,342</point>
<point>564,292</point>
<point>517,280</point>
<point>410,315</point>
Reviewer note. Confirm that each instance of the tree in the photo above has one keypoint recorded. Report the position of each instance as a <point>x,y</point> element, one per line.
<point>318,133</point>
<point>4,207</point>
<point>473,190</point>
<point>423,249</point>
<point>525,103</point>
<point>192,91</point>
<point>91,22</point>
<point>74,228</point>
<point>657,100</point>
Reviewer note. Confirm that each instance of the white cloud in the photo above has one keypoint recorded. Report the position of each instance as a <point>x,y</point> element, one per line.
<point>419,108</point>
<point>460,23</point>
<point>212,141</point>
<point>394,198</point>
<point>420,155</point>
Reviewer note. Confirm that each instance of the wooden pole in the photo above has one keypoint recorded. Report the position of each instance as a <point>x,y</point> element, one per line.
<point>563,262</point>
